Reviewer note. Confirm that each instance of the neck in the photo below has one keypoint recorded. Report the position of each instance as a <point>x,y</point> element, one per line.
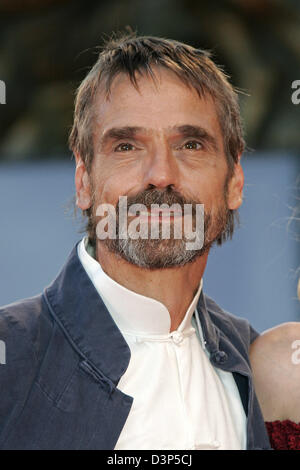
<point>174,287</point>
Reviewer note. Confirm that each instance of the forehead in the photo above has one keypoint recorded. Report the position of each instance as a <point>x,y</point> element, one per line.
<point>157,105</point>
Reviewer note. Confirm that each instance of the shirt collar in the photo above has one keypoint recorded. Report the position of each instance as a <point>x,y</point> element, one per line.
<point>132,312</point>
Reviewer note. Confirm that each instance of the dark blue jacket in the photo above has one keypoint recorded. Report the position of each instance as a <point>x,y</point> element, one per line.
<point>65,357</point>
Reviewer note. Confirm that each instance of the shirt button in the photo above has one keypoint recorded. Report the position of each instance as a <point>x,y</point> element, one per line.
<point>177,337</point>
<point>219,357</point>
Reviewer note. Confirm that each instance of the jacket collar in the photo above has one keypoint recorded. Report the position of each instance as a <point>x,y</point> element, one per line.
<point>78,308</point>
<point>209,331</point>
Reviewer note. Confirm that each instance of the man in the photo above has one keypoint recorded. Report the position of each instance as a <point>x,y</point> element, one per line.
<point>123,350</point>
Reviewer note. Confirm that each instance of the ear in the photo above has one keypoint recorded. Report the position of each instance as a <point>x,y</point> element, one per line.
<point>82,184</point>
<point>235,187</point>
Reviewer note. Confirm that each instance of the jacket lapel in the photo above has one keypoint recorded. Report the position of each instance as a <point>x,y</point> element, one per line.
<point>229,352</point>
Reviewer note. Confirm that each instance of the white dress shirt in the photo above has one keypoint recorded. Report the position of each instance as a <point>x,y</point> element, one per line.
<point>180,401</point>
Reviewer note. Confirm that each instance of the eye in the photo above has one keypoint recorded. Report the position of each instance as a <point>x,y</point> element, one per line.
<point>124,147</point>
<point>193,145</point>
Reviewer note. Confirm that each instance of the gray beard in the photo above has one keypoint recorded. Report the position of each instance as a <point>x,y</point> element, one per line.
<point>165,253</point>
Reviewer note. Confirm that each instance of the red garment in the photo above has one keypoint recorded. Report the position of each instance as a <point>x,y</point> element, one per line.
<point>284,435</point>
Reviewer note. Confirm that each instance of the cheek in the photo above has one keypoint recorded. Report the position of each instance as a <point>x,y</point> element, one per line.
<point>102,183</point>
<point>109,188</point>
<point>209,189</point>
<point>113,180</point>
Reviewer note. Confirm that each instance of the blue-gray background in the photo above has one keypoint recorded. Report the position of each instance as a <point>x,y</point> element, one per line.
<point>254,275</point>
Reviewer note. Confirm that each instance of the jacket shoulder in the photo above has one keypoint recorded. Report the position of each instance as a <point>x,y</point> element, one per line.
<point>23,322</point>
<point>232,326</point>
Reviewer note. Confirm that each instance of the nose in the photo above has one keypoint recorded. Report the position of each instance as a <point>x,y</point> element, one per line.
<point>161,170</point>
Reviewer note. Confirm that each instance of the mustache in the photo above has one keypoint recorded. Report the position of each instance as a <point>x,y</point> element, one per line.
<point>157,196</point>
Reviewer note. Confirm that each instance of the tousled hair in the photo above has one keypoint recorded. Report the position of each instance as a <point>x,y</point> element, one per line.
<point>133,55</point>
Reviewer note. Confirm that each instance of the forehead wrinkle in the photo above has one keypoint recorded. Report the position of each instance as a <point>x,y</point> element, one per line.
<point>181,129</point>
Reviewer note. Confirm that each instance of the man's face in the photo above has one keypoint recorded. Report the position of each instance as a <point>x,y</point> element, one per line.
<point>158,144</point>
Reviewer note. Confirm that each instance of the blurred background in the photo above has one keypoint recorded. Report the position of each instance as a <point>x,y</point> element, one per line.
<point>47,47</point>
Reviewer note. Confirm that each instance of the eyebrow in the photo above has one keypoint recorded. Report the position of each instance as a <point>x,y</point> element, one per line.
<point>198,132</point>
<point>186,130</point>
<point>120,133</point>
